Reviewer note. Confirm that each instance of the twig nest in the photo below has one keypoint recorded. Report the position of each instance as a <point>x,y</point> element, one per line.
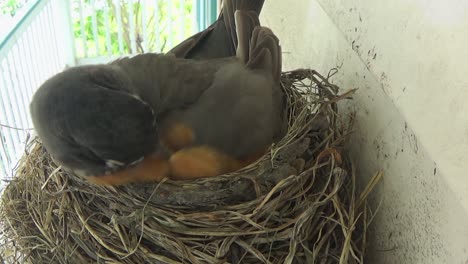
<point>298,204</point>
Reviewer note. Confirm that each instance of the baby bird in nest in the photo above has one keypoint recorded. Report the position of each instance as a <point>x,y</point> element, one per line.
<point>153,116</point>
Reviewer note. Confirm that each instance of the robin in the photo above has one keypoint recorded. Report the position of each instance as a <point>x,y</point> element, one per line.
<point>217,41</point>
<point>154,116</point>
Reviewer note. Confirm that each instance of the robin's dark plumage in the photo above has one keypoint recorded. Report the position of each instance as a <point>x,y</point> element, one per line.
<point>219,40</point>
<point>120,122</point>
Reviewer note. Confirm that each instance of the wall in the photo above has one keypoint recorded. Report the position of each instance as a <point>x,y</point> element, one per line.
<point>407,59</point>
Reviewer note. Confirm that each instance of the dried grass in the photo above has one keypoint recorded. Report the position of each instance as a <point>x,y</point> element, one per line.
<point>298,204</point>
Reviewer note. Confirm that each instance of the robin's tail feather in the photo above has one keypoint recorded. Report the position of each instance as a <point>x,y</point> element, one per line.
<point>265,52</point>
<point>258,46</point>
<point>230,7</point>
<point>220,38</point>
<point>246,22</point>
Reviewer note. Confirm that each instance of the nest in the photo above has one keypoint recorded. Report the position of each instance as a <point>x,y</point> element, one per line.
<point>298,204</point>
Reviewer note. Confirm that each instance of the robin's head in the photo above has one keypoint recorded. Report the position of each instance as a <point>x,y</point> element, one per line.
<point>90,122</point>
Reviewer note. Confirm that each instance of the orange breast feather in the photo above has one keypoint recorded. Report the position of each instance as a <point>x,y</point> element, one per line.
<point>151,169</point>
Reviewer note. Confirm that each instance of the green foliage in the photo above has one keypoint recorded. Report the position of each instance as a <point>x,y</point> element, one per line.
<point>10,7</point>
<point>159,30</point>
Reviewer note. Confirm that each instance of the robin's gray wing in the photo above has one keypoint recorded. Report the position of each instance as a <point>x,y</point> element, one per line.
<point>235,114</point>
<point>167,82</point>
<point>219,39</point>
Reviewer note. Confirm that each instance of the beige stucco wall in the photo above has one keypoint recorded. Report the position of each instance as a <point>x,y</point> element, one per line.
<point>409,59</point>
